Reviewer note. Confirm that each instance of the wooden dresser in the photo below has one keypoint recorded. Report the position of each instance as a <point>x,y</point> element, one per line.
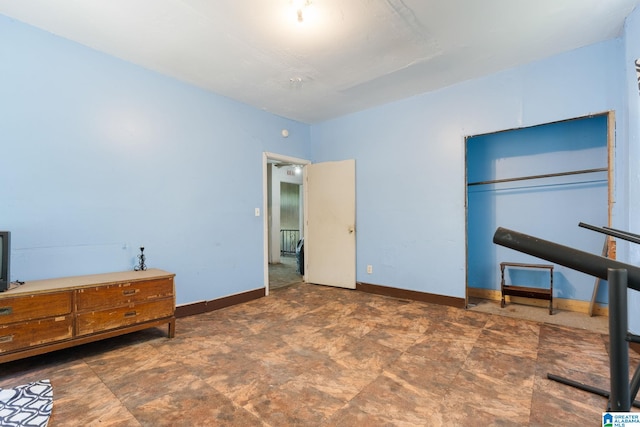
<point>46,315</point>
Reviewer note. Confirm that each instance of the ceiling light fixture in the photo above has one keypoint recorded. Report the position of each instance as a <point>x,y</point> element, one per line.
<point>299,6</point>
<point>296,83</point>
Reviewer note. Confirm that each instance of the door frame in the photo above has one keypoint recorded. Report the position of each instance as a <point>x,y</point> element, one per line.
<point>266,156</point>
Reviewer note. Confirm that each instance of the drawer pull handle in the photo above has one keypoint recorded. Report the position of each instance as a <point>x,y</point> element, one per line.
<point>130,314</point>
<point>128,292</point>
<point>6,339</point>
<point>5,311</point>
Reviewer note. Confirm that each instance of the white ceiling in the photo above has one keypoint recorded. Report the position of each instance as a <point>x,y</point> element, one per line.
<point>345,56</point>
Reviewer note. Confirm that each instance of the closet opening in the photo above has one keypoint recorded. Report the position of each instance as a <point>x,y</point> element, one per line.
<point>543,181</point>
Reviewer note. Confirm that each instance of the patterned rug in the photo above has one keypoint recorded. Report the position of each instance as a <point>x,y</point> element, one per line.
<point>26,405</point>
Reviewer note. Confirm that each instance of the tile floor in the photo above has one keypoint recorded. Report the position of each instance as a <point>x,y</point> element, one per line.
<point>318,356</point>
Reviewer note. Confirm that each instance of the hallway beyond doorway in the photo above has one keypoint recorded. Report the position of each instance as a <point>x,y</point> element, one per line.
<point>285,273</point>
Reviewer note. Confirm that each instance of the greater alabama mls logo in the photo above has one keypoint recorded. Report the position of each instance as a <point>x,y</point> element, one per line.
<point>607,420</point>
<point>620,419</point>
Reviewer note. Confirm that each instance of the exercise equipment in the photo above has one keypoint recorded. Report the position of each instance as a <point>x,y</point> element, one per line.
<point>619,276</point>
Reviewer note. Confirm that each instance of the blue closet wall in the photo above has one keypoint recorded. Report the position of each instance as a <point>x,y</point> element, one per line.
<point>549,208</point>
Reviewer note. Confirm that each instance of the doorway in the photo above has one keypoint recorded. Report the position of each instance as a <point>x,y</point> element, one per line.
<point>328,189</point>
<point>283,219</point>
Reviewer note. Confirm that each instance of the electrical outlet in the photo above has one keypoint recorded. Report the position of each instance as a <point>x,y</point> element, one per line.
<point>369,269</point>
<point>257,212</point>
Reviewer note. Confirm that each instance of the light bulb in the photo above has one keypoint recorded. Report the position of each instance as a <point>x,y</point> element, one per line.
<point>298,6</point>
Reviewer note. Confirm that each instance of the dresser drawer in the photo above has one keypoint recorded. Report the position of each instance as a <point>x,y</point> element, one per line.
<point>123,294</point>
<point>35,306</point>
<point>98,321</point>
<point>35,332</point>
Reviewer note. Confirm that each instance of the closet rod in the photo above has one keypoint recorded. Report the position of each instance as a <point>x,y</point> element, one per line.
<point>548,175</point>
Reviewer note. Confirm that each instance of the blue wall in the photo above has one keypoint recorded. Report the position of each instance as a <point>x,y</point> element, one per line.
<point>549,208</point>
<point>410,158</point>
<point>100,156</point>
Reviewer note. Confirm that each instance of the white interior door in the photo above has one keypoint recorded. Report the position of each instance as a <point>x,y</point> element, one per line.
<point>330,235</point>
